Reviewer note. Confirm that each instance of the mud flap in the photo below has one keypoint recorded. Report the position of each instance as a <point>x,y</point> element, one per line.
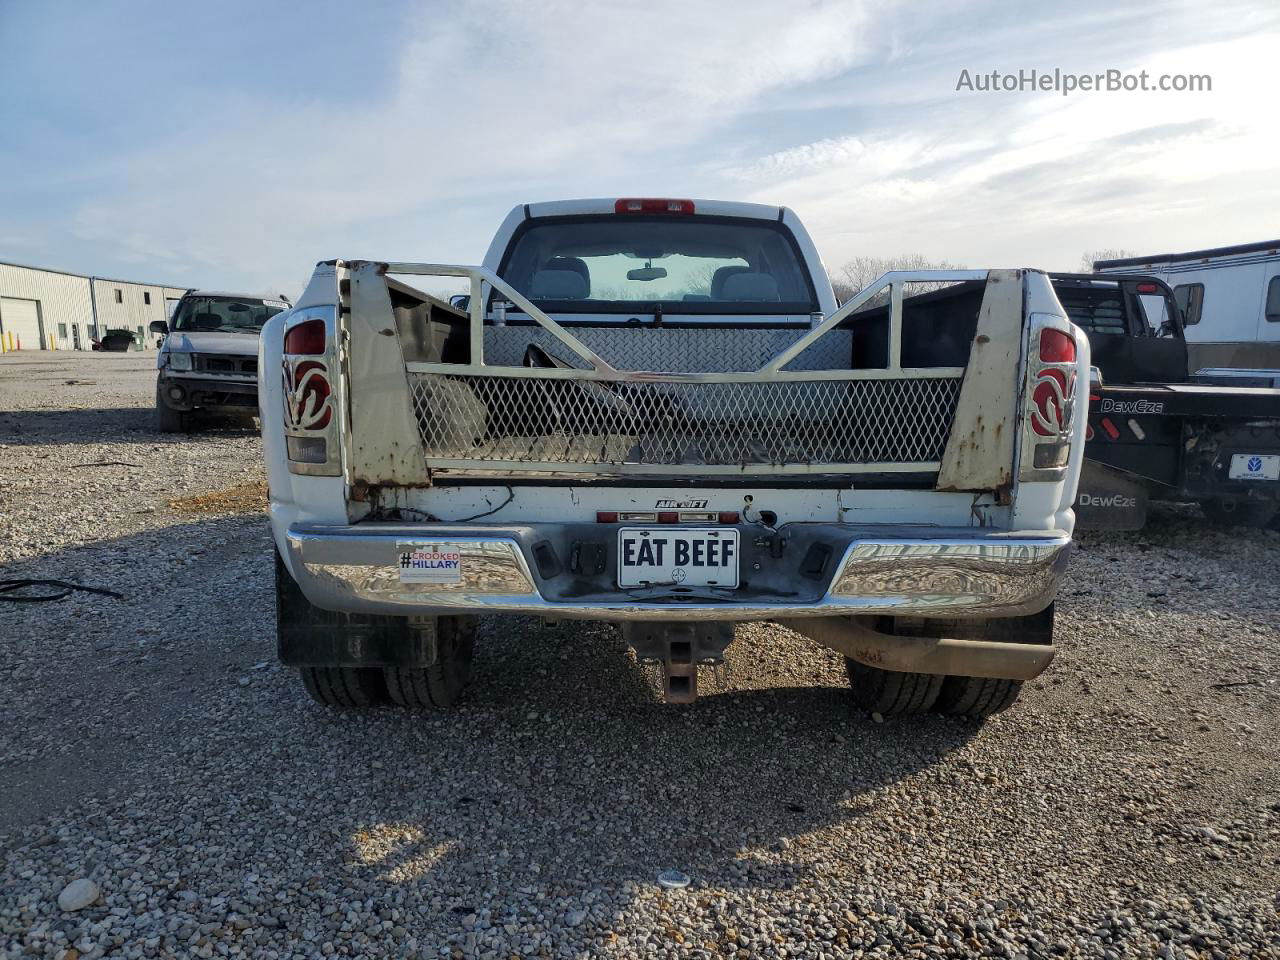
<point>1109,499</point>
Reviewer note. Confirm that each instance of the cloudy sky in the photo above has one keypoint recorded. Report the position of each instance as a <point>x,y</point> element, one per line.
<point>233,144</point>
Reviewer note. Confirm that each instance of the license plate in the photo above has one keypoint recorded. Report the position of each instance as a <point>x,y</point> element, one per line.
<point>675,556</point>
<point>1255,466</point>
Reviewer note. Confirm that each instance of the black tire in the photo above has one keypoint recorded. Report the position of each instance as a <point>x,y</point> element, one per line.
<point>441,685</point>
<point>169,420</point>
<point>890,693</point>
<point>1239,513</point>
<point>976,697</point>
<point>347,687</point>
<point>980,697</point>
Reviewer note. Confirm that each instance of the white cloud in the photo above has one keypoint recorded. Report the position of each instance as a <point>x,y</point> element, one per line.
<point>844,110</point>
<point>494,104</point>
<point>1034,179</point>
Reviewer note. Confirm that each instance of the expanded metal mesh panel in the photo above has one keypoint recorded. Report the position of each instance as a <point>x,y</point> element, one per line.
<point>488,419</point>
<point>672,350</point>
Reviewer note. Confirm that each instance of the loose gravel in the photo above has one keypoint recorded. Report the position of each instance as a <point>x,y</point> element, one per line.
<point>154,754</point>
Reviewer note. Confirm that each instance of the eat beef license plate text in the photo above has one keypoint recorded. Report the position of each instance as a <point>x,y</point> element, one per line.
<point>677,556</point>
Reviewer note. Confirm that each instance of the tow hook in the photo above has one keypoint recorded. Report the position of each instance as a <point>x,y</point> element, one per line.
<point>680,648</point>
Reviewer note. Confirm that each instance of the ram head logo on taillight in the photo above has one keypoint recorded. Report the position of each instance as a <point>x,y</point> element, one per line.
<point>1053,402</point>
<point>308,399</point>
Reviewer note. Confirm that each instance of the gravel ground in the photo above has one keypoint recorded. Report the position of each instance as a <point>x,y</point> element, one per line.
<point>1128,805</point>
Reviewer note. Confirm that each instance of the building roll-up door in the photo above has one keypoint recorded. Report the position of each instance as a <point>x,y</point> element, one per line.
<point>20,322</point>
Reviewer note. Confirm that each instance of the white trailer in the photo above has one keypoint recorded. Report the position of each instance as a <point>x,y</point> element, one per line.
<point>1230,300</point>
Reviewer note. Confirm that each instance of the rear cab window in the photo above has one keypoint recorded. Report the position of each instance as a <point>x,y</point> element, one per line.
<point>1095,310</point>
<point>629,265</point>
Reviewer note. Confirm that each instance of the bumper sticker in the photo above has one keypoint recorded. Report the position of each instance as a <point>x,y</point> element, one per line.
<point>431,563</point>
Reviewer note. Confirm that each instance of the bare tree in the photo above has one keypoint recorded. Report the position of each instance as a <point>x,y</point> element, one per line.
<point>1089,257</point>
<point>855,275</point>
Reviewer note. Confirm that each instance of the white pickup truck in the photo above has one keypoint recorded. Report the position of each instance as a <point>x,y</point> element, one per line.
<point>652,412</point>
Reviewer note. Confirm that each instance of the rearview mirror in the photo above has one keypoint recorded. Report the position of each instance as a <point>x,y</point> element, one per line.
<point>647,273</point>
<point>159,326</point>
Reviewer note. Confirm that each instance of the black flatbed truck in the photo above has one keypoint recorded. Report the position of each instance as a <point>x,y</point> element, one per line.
<point>1157,430</point>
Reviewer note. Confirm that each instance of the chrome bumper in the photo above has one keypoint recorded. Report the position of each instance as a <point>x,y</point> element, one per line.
<point>356,569</point>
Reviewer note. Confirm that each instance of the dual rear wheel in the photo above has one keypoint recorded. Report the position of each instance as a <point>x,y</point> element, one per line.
<point>314,639</point>
<point>437,687</point>
<point>890,693</point>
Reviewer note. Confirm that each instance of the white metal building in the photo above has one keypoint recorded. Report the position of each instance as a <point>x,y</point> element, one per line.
<point>51,310</point>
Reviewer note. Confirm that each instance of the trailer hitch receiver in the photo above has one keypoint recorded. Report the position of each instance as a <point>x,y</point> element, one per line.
<point>679,647</point>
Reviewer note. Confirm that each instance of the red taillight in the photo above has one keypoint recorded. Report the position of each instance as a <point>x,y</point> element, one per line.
<point>652,205</point>
<point>728,516</point>
<point>1057,347</point>
<point>1148,288</point>
<point>606,516</point>
<point>668,516</point>
<point>307,404</point>
<point>306,338</point>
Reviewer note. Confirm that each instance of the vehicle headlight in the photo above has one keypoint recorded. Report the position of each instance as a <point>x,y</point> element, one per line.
<point>179,362</point>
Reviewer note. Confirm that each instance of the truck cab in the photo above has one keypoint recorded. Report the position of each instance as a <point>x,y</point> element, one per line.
<point>651,411</point>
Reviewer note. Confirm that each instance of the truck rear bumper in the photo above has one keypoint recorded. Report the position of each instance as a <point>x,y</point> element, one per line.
<point>356,569</point>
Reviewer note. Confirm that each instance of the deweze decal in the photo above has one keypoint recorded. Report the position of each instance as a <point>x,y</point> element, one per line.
<point>1115,500</point>
<point>682,504</point>
<point>1131,406</point>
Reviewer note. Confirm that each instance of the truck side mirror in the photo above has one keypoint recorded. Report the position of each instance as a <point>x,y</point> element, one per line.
<point>160,327</point>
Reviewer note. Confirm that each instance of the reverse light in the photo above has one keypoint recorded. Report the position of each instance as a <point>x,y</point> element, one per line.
<point>1057,346</point>
<point>307,449</point>
<point>652,205</point>
<point>306,338</point>
<point>1050,456</point>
